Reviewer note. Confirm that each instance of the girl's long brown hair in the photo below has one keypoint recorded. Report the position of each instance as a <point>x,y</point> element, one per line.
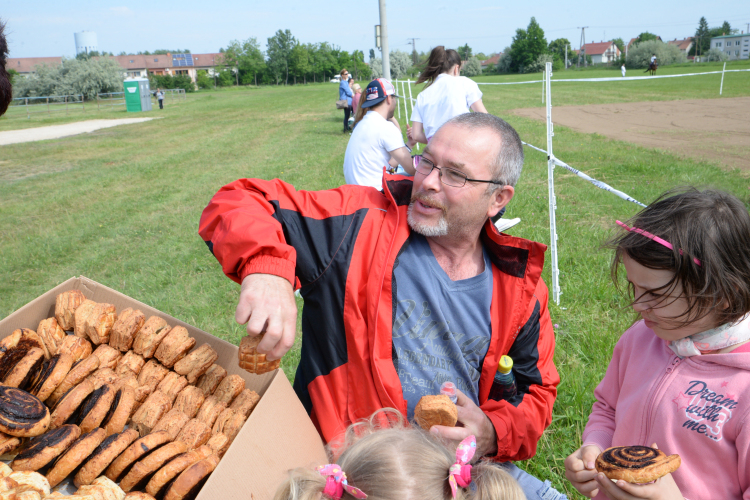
<point>440,61</point>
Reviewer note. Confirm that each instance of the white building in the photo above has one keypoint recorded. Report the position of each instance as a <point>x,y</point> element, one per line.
<point>85,42</point>
<point>734,46</point>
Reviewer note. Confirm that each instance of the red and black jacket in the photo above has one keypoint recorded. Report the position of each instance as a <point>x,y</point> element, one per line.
<point>339,246</point>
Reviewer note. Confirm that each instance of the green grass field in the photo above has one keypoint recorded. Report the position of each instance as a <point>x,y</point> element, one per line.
<point>121,206</point>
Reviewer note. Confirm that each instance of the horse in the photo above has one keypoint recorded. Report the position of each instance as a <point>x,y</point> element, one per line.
<point>652,68</point>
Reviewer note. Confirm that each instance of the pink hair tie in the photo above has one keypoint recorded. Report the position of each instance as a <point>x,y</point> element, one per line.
<point>459,473</point>
<point>336,482</point>
<point>653,237</point>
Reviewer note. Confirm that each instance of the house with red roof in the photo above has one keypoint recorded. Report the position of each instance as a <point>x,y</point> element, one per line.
<point>493,60</point>
<point>602,52</point>
<point>684,45</point>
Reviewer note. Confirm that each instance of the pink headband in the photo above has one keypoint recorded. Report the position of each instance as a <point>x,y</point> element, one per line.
<point>336,482</point>
<point>650,236</point>
<point>460,472</point>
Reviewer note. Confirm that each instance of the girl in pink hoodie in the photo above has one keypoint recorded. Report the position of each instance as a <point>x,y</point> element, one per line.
<point>680,376</point>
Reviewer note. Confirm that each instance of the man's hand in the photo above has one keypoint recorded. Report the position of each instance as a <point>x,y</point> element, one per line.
<point>473,421</point>
<point>581,471</point>
<point>267,305</point>
<point>663,488</point>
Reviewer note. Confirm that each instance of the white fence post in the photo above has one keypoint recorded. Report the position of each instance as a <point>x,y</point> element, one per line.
<point>721,88</point>
<point>544,84</point>
<point>551,184</point>
<point>398,102</point>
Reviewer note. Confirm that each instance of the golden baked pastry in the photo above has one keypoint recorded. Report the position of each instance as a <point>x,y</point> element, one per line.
<point>5,470</point>
<point>196,363</point>
<point>66,304</point>
<point>190,481</point>
<point>130,363</point>
<point>96,407</point>
<point>74,456</point>
<point>174,467</point>
<point>210,410</point>
<point>108,356</point>
<point>44,448</point>
<point>636,464</point>
<point>103,376</point>
<point>194,434</point>
<point>105,482</point>
<point>25,369</point>
<point>251,360</point>
<point>103,455</point>
<point>189,400</point>
<point>120,411</point>
<point>150,412</point>
<point>77,374</point>
<point>219,443</point>
<point>152,374</point>
<point>70,402</point>
<point>172,422</point>
<point>174,346</point>
<point>151,463</point>
<point>15,346</point>
<point>435,410</point>
<point>134,452</point>
<point>96,321</point>
<point>83,311</point>
<point>101,492</point>
<point>21,414</point>
<point>245,402</point>
<point>138,495</point>
<point>6,483</point>
<point>171,385</point>
<point>51,375</point>
<point>211,379</point>
<point>230,388</point>
<point>33,480</point>
<point>128,323</point>
<point>8,445</point>
<point>229,423</point>
<point>150,336</point>
<point>51,334</point>
<point>78,347</point>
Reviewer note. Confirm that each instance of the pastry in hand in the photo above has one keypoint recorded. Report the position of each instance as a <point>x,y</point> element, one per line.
<point>189,400</point>
<point>150,412</point>
<point>230,388</point>
<point>191,480</point>
<point>195,364</point>
<point>174,346</point>
<point>79,348</point>
<point>51,375</point>
<point>26,370</point>
<point>435,410</point>
<point>44,448</point>
<point>174,467</point>
<point>123,333</point>
<point>636,464</point>
<point>66,304</point>
<point>194,434</point>
<point>104,454</point>
<point>51,334</point>
<point>149,337</point>
<point>211,379</point>
<point>253,361</point>
<point>21,414</point>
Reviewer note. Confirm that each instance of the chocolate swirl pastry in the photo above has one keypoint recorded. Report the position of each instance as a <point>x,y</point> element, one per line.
<point>42,449</point>
<point>14,348</point>
<point>636,464</point>
<point>23,374</point>
<point>21,414</point>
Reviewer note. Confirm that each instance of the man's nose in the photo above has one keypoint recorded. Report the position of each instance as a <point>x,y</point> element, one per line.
<point>432,180</point>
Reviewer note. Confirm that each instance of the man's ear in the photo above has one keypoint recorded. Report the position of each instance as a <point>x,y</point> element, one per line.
<point>500,198</point>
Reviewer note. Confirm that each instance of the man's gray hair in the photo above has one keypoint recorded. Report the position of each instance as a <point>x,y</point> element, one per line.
<point>507,165</point>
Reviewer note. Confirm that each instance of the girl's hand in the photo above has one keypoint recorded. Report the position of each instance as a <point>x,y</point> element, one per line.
<point>581,471</point>
<point>408,132</point>
<point>663,488</point>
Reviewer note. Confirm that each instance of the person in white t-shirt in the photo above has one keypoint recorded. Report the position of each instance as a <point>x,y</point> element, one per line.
<point>447,95</point>
<point>375,142</point>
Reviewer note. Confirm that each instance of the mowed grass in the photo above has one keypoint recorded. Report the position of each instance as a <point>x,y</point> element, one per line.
<point>121,206</point>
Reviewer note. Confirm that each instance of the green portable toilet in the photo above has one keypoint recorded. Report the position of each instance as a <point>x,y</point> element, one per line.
<point>137,94</point>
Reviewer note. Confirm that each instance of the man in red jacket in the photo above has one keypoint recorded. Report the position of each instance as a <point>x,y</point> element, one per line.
<point>404,288</point>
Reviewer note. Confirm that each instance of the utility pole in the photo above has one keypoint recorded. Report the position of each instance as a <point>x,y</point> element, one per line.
<point>384,41</point>
<point>566,56</point>
<point>582,52</point>
<point>414,55</point>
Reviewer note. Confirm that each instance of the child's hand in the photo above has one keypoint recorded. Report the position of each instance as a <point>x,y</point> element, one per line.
<point>663,488</point>
<point>581,472</point>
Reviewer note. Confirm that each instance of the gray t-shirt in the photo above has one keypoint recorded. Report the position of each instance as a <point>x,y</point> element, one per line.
<point>442,328</point>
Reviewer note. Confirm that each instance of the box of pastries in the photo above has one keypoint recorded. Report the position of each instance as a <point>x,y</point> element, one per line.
<point>104,397</point>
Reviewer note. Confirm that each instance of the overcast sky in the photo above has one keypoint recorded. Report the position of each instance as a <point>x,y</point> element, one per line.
<point>38,28</point>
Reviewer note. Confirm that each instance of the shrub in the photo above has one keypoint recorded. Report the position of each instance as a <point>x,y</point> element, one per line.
<point>88,77</point>
<point>639,56</point>
<point>538,65</point>
<point>203,80</point>
<point>715,55</point>
<point>504,63</point>
<point>472,67</point>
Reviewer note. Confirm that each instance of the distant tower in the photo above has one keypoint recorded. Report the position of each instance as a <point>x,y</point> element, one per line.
<point>85,42</point>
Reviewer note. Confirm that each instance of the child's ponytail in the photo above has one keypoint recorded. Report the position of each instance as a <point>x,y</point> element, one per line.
<point>302,484</point>
<point>441,60</point>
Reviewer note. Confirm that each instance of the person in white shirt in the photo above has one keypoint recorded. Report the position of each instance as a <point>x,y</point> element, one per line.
<point>623,70</point>
<point>447,95</point>
<point>375,142</point>
<point>653,58</point>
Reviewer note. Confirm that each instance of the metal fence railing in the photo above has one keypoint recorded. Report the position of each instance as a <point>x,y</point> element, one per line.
<point>109,100</point>
<point>46,104</point>
<point>171,96</point>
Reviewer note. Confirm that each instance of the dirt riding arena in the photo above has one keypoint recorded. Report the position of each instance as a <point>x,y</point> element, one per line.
<point>716,130</point>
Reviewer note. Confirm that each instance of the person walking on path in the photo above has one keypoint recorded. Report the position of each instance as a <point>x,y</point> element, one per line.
<point>345,92</point>
<point>447,95</point>
<point>160,98</point>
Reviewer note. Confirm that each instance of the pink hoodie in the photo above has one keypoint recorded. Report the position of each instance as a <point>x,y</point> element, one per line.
<point>696,407</point>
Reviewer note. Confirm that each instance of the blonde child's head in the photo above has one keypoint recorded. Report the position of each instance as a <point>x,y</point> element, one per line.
<point>387,460</point>
<point>357,88</point>
<point>703,280</point>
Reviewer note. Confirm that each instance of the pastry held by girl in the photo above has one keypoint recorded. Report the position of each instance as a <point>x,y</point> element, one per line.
<point>398,462</point>
<point>680,376</point>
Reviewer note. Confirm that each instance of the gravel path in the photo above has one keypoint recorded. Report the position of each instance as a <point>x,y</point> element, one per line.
<point>58,131</point>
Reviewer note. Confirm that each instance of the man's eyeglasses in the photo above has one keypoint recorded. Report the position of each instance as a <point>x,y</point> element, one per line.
<point>448,176</point>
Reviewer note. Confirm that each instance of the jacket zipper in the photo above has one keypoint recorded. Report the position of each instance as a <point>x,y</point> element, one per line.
<point>650,408</point>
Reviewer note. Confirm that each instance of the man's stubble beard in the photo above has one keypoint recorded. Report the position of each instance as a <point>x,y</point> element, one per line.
<point>461,225</point>
<point>439,229</point>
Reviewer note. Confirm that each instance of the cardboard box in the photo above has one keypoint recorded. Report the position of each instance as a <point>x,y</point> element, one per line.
<point>278,435</point>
